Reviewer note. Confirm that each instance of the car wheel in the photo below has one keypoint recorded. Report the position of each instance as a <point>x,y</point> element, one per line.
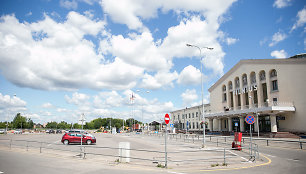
<point>66,142</point>
<point>88,142</point>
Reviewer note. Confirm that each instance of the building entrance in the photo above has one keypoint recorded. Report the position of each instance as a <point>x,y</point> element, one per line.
<point>264,123</point>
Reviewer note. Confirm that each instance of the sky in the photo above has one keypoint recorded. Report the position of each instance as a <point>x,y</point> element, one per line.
<point>62,58</point>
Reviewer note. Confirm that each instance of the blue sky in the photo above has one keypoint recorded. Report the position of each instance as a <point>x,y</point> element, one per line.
<point>61,58</point>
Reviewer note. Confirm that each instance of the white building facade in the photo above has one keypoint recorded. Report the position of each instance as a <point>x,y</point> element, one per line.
<point>272,90</point>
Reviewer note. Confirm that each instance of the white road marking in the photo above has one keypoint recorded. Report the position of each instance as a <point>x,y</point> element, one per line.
<point>237,155</point>
<point>53,143</point>
<point>270,155</point>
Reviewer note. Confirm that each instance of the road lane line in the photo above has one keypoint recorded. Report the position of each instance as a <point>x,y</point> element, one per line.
<point>239,156</point>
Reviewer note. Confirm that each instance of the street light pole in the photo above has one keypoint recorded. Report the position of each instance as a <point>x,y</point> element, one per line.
<point>142,110</point>
<point>202,87</point>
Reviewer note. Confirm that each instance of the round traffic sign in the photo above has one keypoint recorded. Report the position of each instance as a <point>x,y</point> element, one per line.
<point>249,119</point>
<point>167,119</point>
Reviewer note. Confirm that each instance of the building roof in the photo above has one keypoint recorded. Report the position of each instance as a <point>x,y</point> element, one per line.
<point>260,61</point>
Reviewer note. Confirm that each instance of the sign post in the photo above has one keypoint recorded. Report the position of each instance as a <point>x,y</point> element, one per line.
<point>250,120</point>
<point>167,120</point>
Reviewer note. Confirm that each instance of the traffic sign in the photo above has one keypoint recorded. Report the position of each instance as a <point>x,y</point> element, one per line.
<point>171,125</point>
<point>167,119</point>
<point>249,119</point>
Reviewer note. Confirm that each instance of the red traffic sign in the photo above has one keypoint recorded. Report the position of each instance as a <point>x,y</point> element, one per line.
<point>250,119</point>
<point>167,119</point>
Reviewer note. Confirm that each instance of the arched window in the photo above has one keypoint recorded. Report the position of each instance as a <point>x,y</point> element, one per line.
<point>253,78</point>
<point>273,73</point>
<point>237,82</point>
<point>224,99</point>
<point>230,85</point>
<point>244,80</point>
<point>274,83</point>
<point>262,75</point>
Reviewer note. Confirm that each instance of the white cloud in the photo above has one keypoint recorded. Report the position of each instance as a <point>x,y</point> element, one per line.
<point>108,100</point>
<point>69,4</point>
<point>131,12</point>
<point>9,106</point>
<point>231,41</point>
<point>77,98</point>
<point>188,97</point>
<point>277,37</point>
<point>47,105</point>
<point>190,76</point>
<point>8,102</point>
<point>66,59</point>
<point>301,15</point>
<point>281,3</point>
<point>159,80</point>
<point>279,54</point>
<point>140,50</point>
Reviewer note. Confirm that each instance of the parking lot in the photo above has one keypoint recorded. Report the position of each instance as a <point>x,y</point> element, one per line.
<point>147,152</point>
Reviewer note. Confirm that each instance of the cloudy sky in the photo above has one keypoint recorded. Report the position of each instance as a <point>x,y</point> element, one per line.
<point>61,58</point>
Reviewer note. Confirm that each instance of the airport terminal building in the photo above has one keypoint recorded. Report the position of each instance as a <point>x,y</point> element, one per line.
<point>272,90</point>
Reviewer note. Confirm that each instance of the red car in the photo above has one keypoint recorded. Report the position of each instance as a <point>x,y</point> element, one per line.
<point>76,138</point>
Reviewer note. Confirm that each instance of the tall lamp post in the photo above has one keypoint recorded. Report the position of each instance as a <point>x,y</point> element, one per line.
<point>200,49</point>
<point>139,91</point>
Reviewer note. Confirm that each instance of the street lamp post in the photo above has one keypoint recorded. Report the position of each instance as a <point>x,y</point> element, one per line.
<point>200,49</point>
<point>142,110</point>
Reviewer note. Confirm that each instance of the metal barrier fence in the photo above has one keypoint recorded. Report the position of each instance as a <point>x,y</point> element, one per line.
<point>198,156</point>
<point>219,140</point>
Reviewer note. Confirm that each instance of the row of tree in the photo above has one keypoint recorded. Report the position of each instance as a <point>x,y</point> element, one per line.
<point>19,122</point>
<point>26,123</point>
<point>94,124</point>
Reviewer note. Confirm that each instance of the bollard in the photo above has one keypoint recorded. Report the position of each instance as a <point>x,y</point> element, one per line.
<point>224,139</point>
<point>40,147</point>
<point>124,151</point>
<point>224,162</point>
<point>301,145</point>
<point>84,153</point>
<point>267,142</point>
<point>210,138</point>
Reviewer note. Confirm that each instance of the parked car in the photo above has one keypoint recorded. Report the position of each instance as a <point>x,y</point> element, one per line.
<point>3,131</point>
<point>58,131</point>
<point>50,131</point>
<point>76,138</point>
<point>18,131</point>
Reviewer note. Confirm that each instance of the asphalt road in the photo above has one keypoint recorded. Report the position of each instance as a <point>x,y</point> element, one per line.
<point>18,160</point>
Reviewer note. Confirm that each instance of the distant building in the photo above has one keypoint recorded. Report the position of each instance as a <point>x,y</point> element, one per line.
<point>272,88</point>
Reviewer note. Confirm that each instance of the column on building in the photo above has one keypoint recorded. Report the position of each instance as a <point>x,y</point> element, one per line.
<point>273,123</point>
<point>242,94</point>
<point>259,91</point>
<point>241,118</point>
<point>269,87</point>
<point>215,124</point>
<point>235,99</point>
<point>255,124</point>
<point>210,124</point>
<point>230,125</point>
<point>251,92</point>
<point>219,124</point>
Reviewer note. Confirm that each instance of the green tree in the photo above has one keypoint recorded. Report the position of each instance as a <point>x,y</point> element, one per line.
<point>19,121</point>
<point>63,125</point>
<point>51,125</point>
<point>77,126</point>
